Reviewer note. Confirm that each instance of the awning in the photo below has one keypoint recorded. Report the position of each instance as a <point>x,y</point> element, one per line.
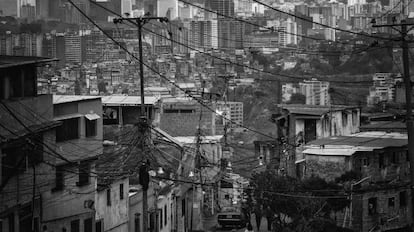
<point>67,116</point>
<point>329,151</point>
<point>300,161</point>
<point>92,116</point>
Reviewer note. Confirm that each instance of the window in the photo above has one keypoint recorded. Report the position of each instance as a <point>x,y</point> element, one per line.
<point>165,214</point>
<point>84,173</point>
<point>59,178</point>
<point>161,217</point>
<point>381,160</point>
<point>98,226</point>
<point>391,202</point>
<point>108,197</point>
<point>90,127</point>
<point>68,130</point>
<point>403,199</point>
<point>137,223</point>
<point>365,162</point>
<point>372,206</point>
<point>183,208</point>
<point>394,158</point>
<point>87,225</point>
<point>121,191</point>
<point>74,226</point>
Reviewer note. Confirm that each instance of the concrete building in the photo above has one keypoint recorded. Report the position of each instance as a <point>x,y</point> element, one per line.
<point>27,130</point>
<point>383,89</point>
<point>73,48</point>
<point>382,198</point>
<point>204,34</point>
<point>316,92</point>
<point>78,140</point>
<point>180,117</point>
<point>168,8</point>
<point>233,111</point>
<point>300,124</point>
<point>222,7</point>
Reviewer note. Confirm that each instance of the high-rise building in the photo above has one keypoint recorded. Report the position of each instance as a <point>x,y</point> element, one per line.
<point>203,34</point>
<point>316,92</point>
<point>27,12</point>
<point>42,9</point>
<point>230,34</point>
<point>222,7</point>
<point>10,8</point>
<point>167,8</point>
<point>73,48</point>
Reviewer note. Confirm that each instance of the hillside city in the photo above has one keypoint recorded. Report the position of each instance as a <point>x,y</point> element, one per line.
<point>206,115</point>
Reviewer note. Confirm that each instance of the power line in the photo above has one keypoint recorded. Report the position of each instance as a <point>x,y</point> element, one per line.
<point>320,24</point>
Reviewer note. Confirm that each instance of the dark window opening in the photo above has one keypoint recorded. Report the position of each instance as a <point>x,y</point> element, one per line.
<point>161,218</point>
<point>407,156</point>
<point>68,130</point>
<point>90,127</point>
<point>98,226</point>
<point>108,197</point>
<point>394,158</point>
<point>381,160</point>
<point>137,223</point>
<point>59,178</point>
<point>110,116</point>
<point>403,199</point>
<point>84,173</point>
<point>372,206</point>
<point>310,130</point>
<point>183,208</point>
<point>121,191</point>
<point>391,202</point>
<point>87,225</point>
<point>165,214</point>
<point>74,226</point>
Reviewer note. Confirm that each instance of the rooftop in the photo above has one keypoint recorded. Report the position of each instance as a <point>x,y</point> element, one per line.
<point>314,109</point>
<point>204,139</point>
<point>59,99</point>
<point>115,100</point>
<point>348,145</point>
<point>12,61</point>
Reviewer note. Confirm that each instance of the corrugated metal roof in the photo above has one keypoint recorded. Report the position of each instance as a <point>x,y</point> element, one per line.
<point>128,100</point>
<point>59,99</point>
<point>313,109</point>
<point>11,61</point>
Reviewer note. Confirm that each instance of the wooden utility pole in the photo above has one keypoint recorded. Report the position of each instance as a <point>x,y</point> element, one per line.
<point>402,29</point>
<point>143,123</point>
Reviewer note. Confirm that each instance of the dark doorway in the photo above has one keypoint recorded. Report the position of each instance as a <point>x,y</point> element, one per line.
<point>310,130</point>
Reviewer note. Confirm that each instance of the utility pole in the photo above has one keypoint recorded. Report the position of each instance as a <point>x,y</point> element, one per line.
<point>408,95</point>
<point>143,122</point>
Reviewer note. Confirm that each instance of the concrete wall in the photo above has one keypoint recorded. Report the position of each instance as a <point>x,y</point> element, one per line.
<point>114,217</point>
<point>166,204</point>
<point>135,206</point>
<point>386,217</point>
<point>83,147</point>
<point>17,193</point>
<point>186,124</point>
<point>326,167</point>
<point>62,206</point>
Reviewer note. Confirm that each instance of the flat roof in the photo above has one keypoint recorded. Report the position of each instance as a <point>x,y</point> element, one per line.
<point>348,145</point>
<point>12,61</point>
<point>116,100</point>
<point>193,139</point>
<point>313,109</point>
<point>59,99</point>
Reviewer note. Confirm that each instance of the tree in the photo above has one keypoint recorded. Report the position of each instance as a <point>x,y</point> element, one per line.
<point>297,205</point>
<point>297,98</point>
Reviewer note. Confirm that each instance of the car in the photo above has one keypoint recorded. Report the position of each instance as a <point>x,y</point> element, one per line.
<point>231,219</point>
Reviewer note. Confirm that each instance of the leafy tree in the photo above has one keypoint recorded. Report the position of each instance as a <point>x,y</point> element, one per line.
<point>295,204</point>
<point>297,98</point>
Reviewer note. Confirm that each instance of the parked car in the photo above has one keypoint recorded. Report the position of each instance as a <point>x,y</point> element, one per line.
<point>231,218</point>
